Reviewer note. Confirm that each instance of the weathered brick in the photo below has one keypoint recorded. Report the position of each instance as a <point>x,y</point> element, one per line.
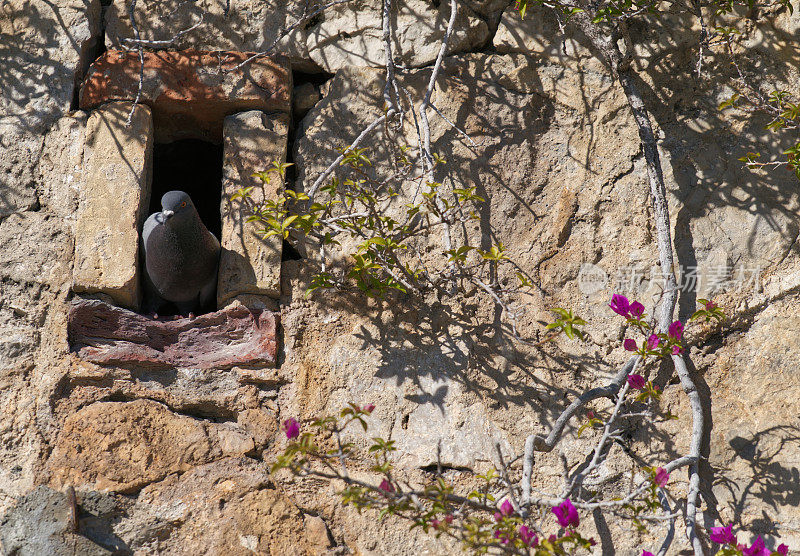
<point>107,335</point>
<point>190,91</point>
<point>250,264</point>
<point>117,168</point>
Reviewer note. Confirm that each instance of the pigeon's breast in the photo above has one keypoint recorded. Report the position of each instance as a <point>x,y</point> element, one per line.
<point>179,262</point>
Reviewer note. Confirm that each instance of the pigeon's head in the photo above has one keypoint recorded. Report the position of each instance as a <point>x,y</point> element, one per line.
<point>176,205</point>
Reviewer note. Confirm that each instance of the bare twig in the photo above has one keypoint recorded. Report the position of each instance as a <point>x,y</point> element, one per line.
<point>577,480</point>
<point>427,156</point>
<point>303,19</point>
<point>504,473</point>
<point>140,50</point>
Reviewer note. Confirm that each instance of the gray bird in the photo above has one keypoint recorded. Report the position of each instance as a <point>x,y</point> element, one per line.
<point>180,256</point>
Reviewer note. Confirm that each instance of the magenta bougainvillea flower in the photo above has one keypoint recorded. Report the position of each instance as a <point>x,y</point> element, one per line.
<point>782,549</point>
<point>528,536</point>
<point>448,519</point>
<point>498,534</point>
<point>369,408</point>
<point>291,427</point>
<point>435,523</point>
<point>675,330</point>
<point>567,514</point>
<point>652,341</point>
<point>630,345</point>
<point>710,305</point>
<point>636,382</point>
<point>636,310</point>
<point>677,350</point>
<point>661,477</point>
<point>757,548</point>
<point>620,305</point>
<point>386,486</point>
<point>646,553</point>
<point>506,508</point>
<point>723,535</point>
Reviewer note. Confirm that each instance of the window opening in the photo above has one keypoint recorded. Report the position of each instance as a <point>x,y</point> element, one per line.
<point>193,166</point>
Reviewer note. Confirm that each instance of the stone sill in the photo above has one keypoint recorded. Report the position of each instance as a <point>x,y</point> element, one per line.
<point>111,336</point>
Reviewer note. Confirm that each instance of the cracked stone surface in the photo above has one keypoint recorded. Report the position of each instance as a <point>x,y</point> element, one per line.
<point>122,447</point>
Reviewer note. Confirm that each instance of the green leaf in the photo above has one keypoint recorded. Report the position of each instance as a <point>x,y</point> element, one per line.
<point>729,102</point>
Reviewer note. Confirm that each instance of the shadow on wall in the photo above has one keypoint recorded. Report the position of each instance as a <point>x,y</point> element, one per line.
<point>426,342</point>
<point>420,343</point>
<point>757,211</point>
<point>768,483</point>
<point>44,49</point>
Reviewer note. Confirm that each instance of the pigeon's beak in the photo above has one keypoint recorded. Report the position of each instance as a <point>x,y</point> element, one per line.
<point>167,213</point>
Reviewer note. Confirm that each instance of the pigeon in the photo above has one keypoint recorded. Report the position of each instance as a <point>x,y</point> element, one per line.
<point>181,257</point>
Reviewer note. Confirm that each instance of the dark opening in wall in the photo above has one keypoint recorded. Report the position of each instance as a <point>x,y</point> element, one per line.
<point>195,167</point>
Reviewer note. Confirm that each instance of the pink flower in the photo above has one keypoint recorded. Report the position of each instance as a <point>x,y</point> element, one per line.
<point>636,310</point>
<point>498,516</point>
<point>652,341</point>
<point>630,345</point>
<point>723,535</point>
<point>448,519</point>
<point>552,539</point>
<point>757,548</point>
<point>291,427</point>
<point>498,534</point>
<point>528,536</point>
<point>636,382</point>
<point>675,330</point>
<point>435,523</point>
<point>590,414</point>
<point>661,477</point>
<point>620,305</point>
<point>386,486</point>
<point>506,508</point>
<point>646,553</point>
<point>783,550</point>
<point>710,306</point>
<point>677,350</point>
<point>369,408</point>
<point>567,514</point>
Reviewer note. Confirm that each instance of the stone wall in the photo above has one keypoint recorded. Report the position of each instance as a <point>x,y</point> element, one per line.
<point>172,457</point>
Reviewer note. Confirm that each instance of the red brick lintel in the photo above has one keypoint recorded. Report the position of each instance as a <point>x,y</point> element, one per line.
<point>190,91</point>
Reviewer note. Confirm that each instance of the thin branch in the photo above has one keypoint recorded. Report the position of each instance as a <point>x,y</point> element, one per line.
<point>427,156</point>
<point>303,19</point>
<point>140,49</point>
<point>579,477</point>
<point>329,170</point>
<point>662,497</point>
<point>504,473</point>
<point>160,43</point>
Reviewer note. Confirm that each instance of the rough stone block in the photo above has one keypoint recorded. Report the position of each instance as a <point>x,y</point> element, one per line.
<point>117,170</point>
<point>190,91</point>
<point>42,522</point>
<point>44,49</point>
<point>123,446</point>
<point>249,264</point>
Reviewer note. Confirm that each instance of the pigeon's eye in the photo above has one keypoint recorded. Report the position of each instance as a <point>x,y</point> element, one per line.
<point>183,204</point>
